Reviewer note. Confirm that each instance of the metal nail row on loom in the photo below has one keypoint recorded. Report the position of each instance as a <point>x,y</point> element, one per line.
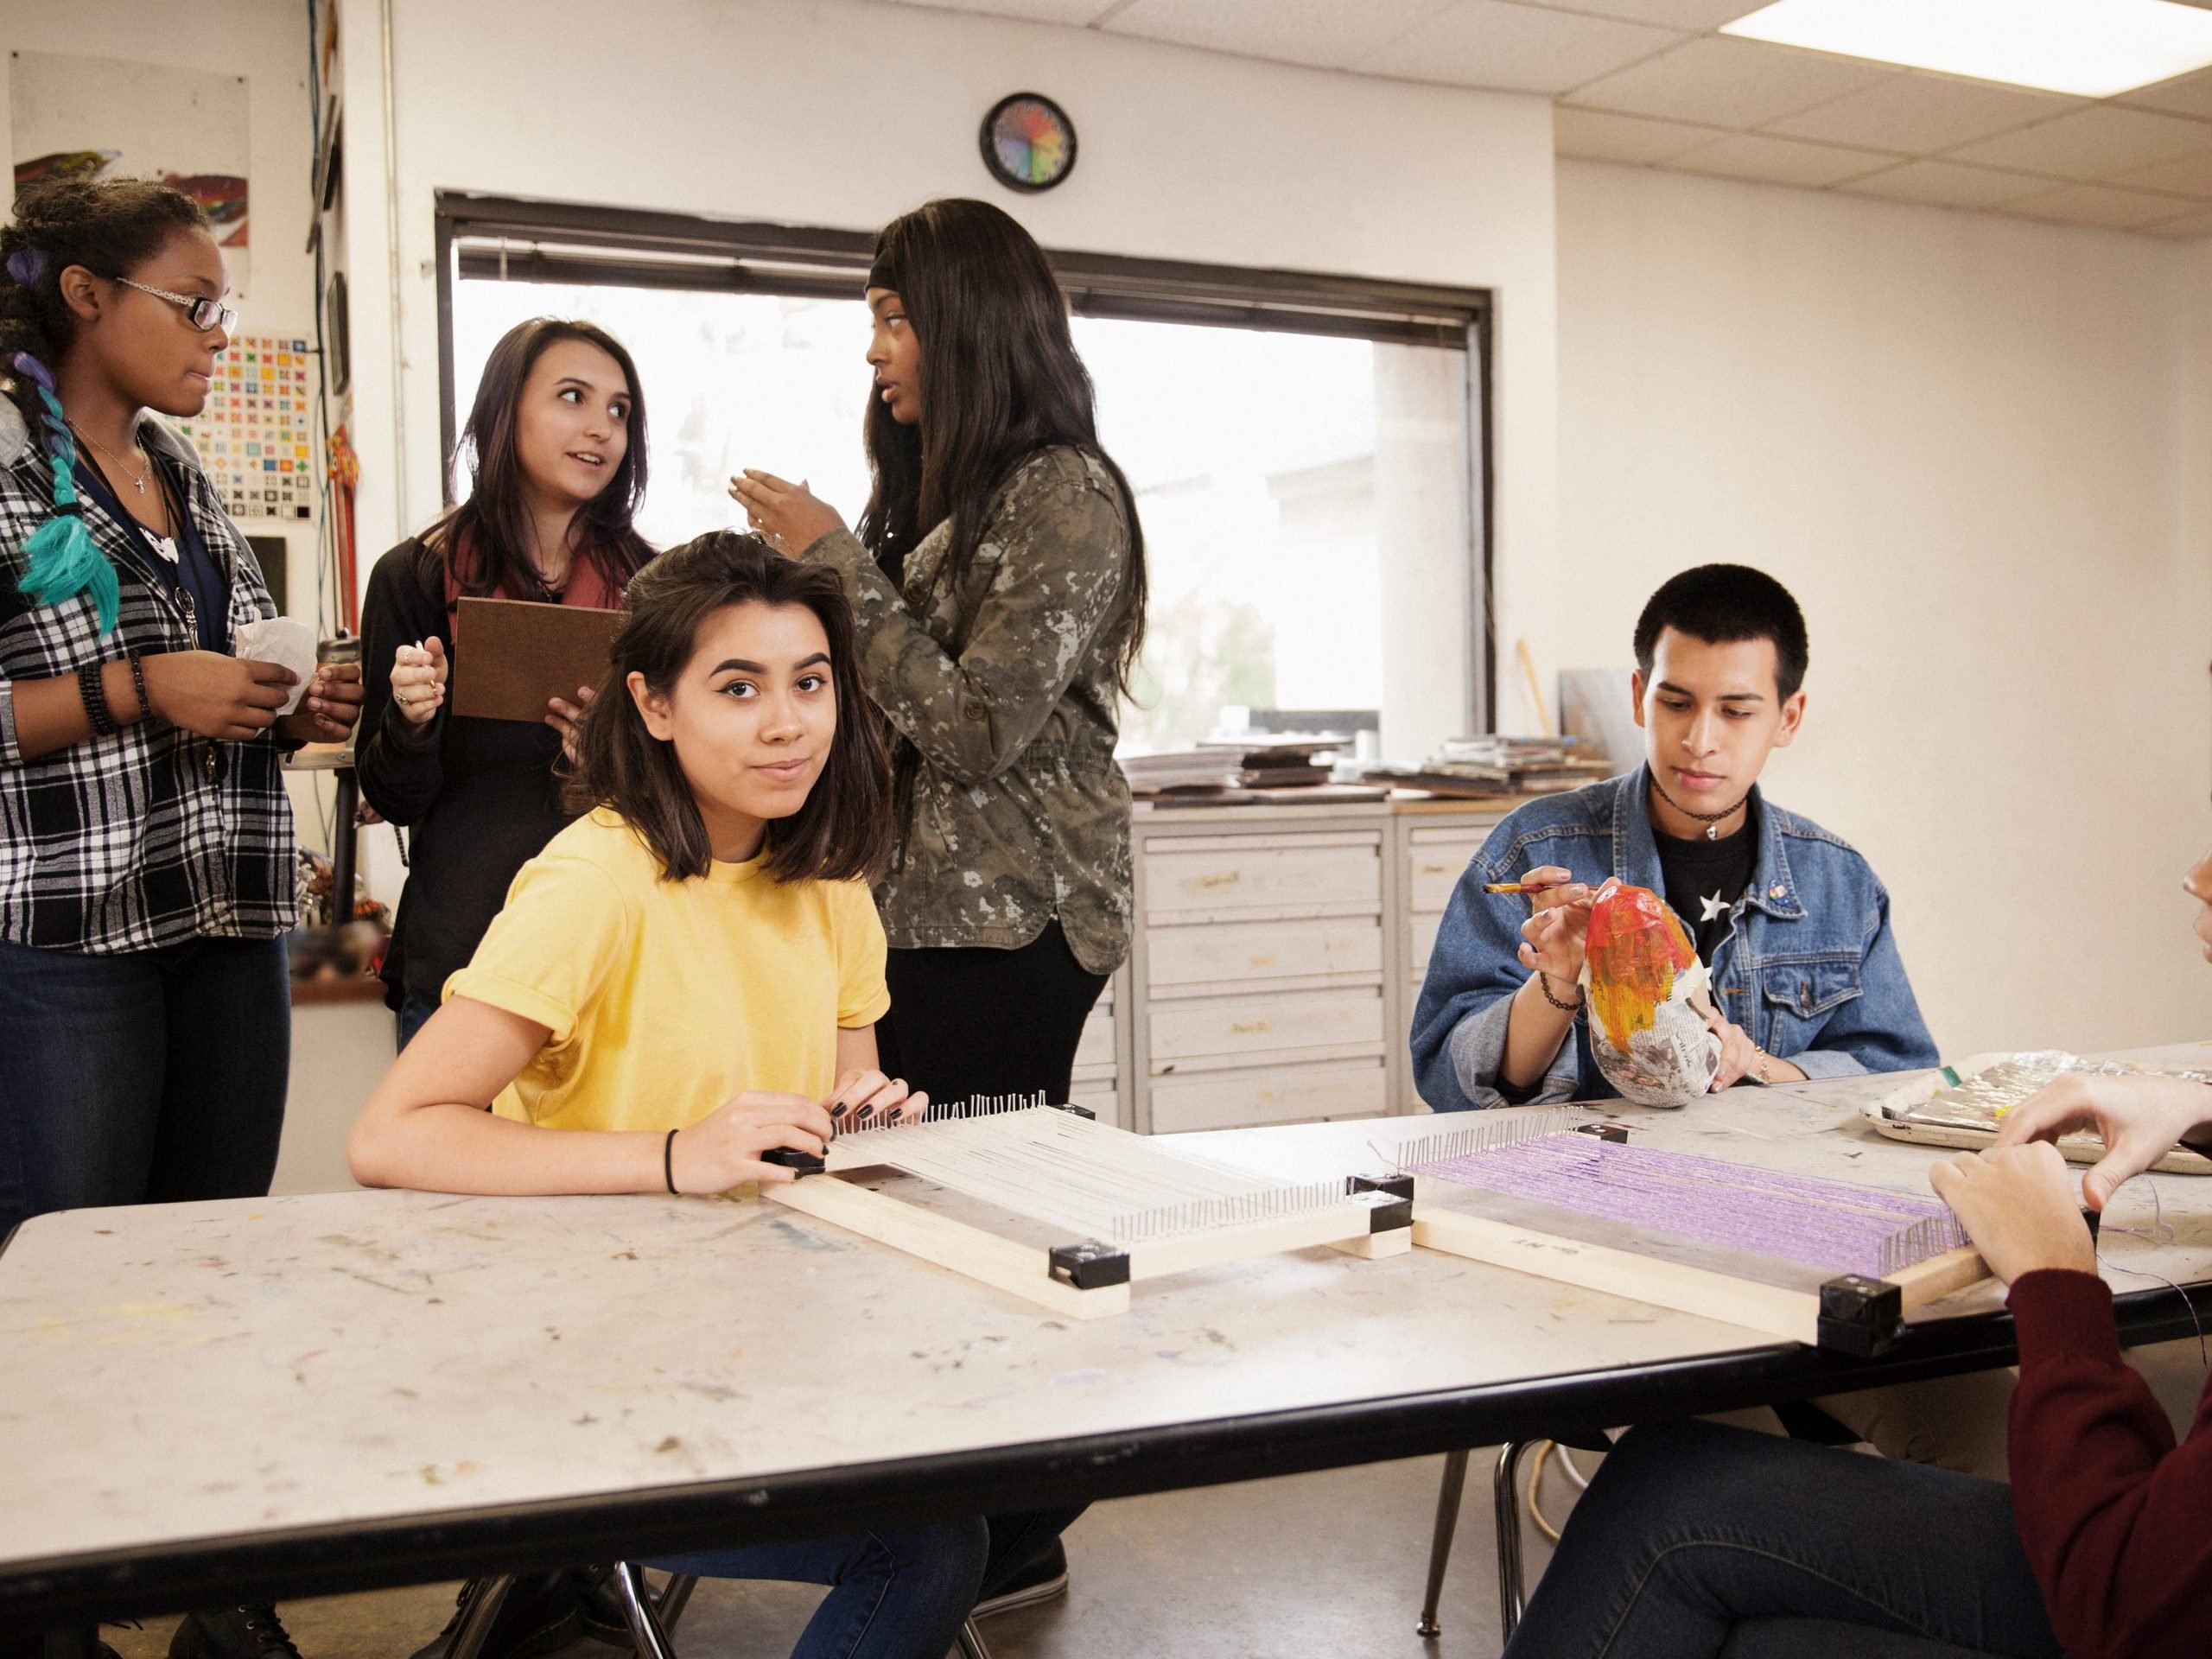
<point>945,1112</point>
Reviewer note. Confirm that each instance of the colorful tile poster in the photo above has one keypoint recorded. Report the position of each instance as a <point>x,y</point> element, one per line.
<point>256,436</point>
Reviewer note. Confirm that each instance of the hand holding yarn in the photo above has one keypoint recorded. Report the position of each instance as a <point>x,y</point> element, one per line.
<point>2018,1205</point>
<point>722,1149</point>
<point>419,680</point>
<point>229,699</point>
<point>2139,1119</point>
<point>1648,1006</point>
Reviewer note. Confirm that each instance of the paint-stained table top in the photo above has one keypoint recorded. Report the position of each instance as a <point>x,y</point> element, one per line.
<point>359,1388</point>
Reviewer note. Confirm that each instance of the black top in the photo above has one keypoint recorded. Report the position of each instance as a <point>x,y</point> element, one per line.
<point>193,571</point>
<point>479,795</point>
<point>1706,878</point>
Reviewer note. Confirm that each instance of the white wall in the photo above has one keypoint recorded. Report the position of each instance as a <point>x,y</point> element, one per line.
<point>832,113</point>
<point>1976,449</point>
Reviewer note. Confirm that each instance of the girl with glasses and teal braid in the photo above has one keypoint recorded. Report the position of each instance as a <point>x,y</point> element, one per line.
<point>148,866</point>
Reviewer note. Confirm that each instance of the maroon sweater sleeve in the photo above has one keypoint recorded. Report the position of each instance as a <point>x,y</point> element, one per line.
<point>2116,1520</point>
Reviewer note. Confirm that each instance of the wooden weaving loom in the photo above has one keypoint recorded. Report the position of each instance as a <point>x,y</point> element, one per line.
<point>1048,1204</point>
<point>1820,1262</point>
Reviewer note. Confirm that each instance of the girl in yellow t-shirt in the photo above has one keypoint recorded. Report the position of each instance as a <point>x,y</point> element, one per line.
<point>689,977</point>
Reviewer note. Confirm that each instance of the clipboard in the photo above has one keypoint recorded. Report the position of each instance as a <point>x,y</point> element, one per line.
<point>510,655</point>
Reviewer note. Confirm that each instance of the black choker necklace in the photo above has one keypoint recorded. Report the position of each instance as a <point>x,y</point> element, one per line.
<point>1710,820</point>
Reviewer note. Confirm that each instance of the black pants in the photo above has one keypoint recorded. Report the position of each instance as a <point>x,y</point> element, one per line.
<point>970,1021</point>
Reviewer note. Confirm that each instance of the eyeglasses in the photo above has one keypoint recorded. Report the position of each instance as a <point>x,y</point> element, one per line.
<point>201,313</point>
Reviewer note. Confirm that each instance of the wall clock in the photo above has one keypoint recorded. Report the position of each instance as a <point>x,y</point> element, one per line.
<point>1028,142</point>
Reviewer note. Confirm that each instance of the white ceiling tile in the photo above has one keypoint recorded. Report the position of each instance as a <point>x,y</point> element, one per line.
<point>2091,144</point>
<point>1078,13</point>
<point>2096,204</point>
<point>2190,177</point>
<point>1590,136</point>
<point>1913,114</point>
<point>1727,83</point>
<point>2186,95</point>
<point>1699,14</point>
<point>1515,48</point>
<point>1326,33</point>
<point>1946,184</point>
<point>1778,161</point>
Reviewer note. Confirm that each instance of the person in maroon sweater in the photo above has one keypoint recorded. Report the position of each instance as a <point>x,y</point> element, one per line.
<point>1698,1539</point>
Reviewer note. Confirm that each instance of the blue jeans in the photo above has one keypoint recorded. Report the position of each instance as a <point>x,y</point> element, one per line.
<point>898,1594</point>
<point>1697,1540</point>
<point>151,1077</point>
<point>414,1014</point>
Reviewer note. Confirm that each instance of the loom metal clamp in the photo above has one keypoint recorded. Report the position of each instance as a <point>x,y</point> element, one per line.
<point>801,1164</point>
<point>1395,1200</point>
<point>1861,1317</point>
<point>1091,1265</point>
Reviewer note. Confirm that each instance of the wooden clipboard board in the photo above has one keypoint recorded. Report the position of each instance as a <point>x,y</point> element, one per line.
<point>510,655</point>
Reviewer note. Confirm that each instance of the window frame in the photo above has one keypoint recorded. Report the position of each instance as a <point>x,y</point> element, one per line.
<point>515,239</point>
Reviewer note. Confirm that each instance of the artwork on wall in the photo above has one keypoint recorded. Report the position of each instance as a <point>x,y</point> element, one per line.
<point>108,118</point>
<point>255,435</point>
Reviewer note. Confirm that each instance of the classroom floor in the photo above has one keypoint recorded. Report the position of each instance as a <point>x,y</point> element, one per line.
<point>1318,1565</point>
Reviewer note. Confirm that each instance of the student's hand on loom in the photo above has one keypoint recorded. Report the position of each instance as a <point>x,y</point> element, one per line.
<point>2018,1205</point>
<point>790,518</point>
<point>566,718</point>
<point>1553,938</point>
<point>869,1097</point>
<point>331,707</point>
<point>2139,1119</point>
<point>419,680</point>
<point>724,1148</point>
<point>228,698</point>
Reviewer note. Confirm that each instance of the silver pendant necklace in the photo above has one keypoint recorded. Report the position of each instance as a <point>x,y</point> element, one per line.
<point>1712,821</point>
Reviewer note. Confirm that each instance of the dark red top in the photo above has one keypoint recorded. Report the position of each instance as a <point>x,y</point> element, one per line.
<point>2116,1519</point>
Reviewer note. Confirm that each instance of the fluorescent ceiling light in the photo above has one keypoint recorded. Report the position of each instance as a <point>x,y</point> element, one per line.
<point>2092,48</point>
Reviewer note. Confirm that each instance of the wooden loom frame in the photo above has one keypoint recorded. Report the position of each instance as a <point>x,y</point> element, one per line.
<point>1087,1278</point>
<point>1849,1314</point>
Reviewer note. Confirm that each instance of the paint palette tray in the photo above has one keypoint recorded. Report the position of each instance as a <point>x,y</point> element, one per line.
<point>1963,1104</point>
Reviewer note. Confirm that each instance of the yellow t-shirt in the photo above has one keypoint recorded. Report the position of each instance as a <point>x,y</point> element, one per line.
<point>666,998</point>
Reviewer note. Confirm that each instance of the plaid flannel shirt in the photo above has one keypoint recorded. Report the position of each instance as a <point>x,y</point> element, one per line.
<point>157,835</point>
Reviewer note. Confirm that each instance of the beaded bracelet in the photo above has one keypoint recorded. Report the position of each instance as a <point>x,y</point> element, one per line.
<point>1544,984</point>
<point>138,685</point>
<point>93,695</point>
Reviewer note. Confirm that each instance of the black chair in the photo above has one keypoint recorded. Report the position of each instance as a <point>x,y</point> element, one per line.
<point>1505,1493</point>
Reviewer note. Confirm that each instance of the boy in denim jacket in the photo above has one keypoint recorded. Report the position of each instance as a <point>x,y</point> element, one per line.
<point>1792,923</point>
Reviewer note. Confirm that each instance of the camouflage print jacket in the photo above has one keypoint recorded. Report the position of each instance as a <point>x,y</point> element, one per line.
<point>1004,690</point>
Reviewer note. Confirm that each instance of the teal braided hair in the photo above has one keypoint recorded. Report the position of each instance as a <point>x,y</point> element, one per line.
<point>64,560</point>
<point>109,227</point>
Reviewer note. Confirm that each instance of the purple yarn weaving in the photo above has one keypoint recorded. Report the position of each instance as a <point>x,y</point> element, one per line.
<point>1830,1225</point>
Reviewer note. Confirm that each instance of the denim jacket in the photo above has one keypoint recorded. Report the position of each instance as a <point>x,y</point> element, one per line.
<point>1810,969</point>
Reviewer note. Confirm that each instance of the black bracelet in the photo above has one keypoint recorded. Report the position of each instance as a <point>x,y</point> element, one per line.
<point>668,1160</point>
<point>1544,984</point>
<point>93,695</point>
<point>138,685</point>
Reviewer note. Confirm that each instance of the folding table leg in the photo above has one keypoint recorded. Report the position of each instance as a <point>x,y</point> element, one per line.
<point>1506,1490</point>
<point>485,1596</point>
<point>645,1628</point>
<point>1439,1546</point>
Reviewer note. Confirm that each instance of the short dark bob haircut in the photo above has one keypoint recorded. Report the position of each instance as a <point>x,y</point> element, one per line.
<point>843,831</point>
<point>1723,604</point>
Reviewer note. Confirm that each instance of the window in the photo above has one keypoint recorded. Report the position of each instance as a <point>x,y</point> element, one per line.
<point>1306,453</point>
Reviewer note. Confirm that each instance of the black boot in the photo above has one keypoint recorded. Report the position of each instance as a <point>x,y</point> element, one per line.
<point>232,1633</point>
<point>538,1617</point>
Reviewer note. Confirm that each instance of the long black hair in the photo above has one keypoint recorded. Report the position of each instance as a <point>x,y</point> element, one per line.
<point>844,829</point>
<point>1000,380</point>
<point>111,227</point>
<point>485,540</point>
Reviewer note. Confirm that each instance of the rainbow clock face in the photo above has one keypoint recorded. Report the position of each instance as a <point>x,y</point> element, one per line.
<point>1028,142</point>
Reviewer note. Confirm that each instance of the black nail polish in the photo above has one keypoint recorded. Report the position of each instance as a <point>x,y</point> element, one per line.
<point>838,1110</point>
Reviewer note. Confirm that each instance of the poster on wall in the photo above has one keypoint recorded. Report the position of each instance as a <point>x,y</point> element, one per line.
<point>255,435</point>
<point>106,119</point>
